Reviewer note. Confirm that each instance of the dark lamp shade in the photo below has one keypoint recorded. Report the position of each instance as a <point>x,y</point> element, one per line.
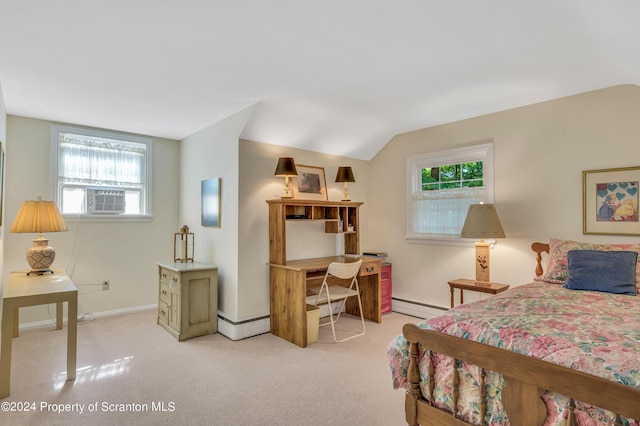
<point>38,216</point>
<point>482,222</point>
<point>345,174</point>
<point>286,167</point>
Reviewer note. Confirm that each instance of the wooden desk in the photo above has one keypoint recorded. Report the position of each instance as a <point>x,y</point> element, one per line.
<point>465,284</point>
<point>288,287</point>
<point>30,290</point>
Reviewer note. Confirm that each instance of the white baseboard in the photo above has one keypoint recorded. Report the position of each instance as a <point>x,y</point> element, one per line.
<point>245,329</point>
<point>415,309</point>
<point>104,314</point>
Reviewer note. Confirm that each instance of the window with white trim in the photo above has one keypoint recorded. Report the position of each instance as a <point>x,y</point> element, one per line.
<point>440,188</point>
<point>98,173</point>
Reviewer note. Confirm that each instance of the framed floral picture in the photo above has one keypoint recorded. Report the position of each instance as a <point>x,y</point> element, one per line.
<point>310,184</point>
<point>610,201</point>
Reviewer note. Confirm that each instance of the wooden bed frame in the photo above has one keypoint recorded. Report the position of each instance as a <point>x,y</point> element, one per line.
<point>526,379</point>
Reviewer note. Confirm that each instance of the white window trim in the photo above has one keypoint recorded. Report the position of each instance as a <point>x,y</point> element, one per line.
<point>477,152</point>
<point>88,217</point>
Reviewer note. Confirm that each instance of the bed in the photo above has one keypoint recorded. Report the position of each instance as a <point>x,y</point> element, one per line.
<point>569,357</point>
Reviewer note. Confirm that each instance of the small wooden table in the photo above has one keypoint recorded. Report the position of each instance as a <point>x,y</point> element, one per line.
<point>29,290</point>
<point>465,284</point>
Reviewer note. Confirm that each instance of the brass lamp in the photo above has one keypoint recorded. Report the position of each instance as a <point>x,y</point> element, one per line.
<point>286,168</point>
<point>39,216</point>
<point>482,222</point>
<point>345,174</point>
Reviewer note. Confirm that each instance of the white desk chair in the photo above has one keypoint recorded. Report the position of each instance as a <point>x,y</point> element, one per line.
<point>332,293</point>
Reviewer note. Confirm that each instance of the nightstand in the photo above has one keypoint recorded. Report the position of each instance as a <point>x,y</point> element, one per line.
<point>465,284</point>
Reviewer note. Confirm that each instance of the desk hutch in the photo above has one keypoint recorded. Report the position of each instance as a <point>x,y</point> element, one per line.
<point>290,280</point>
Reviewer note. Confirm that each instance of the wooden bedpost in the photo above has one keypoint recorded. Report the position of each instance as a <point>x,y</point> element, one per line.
<point>539,248</point>
<point>413,389</point>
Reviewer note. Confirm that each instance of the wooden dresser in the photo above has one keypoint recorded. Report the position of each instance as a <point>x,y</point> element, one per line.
<point>188,298</point>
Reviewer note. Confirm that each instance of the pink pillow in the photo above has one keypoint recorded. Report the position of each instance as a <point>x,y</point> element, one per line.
<point>556,270</point>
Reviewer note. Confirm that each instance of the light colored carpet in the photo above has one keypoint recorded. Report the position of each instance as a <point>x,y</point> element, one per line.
<point>209,380</point>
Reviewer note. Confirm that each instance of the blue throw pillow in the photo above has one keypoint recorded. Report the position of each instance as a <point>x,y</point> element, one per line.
<point>608,271</point>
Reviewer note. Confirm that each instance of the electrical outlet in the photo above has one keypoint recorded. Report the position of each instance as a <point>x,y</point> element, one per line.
<point>105,285</point>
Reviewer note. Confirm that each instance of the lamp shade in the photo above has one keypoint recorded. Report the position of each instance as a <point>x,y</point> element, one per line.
<point>345,174</point>
<point>38,216</point>
<point>482,222</point>
<point>286,167</point>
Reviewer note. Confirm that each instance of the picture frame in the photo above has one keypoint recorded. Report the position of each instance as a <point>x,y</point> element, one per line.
<point>610,201</point>
<point>210,202</point>
<point>310,184</point>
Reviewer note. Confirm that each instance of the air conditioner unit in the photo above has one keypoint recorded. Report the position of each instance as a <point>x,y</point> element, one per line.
<point>105,201</point>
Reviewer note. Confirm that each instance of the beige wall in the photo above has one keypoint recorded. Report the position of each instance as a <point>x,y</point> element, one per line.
<point>123,253</point>
<point>304,239</point>
<point>540,152</point>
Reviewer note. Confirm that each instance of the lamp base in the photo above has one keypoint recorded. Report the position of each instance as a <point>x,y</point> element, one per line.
<point>345,194</point>
<point>41,256</point>
<point>288,193</point>
<point>482,283</point>
<point>482,263</point>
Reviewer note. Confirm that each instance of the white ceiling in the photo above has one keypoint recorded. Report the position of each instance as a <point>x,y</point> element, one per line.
<point>335,76</point>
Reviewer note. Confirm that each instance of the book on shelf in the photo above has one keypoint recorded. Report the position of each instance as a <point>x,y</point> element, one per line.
<point>375,253</point>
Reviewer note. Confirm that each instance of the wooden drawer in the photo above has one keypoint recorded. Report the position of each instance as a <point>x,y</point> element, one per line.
<point>163,311</point>
<point>369,269</point>
<point>164,292</point>
<point>169,277</point>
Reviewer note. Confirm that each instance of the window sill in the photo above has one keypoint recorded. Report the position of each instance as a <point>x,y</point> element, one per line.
<point>96,218</point>
<point>444,241</point>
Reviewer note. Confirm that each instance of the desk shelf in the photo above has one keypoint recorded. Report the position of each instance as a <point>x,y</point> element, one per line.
<point>340,217</point>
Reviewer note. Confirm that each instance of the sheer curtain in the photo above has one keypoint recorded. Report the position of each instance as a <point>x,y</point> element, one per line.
<point>100,162</point>
<point>442,213</point>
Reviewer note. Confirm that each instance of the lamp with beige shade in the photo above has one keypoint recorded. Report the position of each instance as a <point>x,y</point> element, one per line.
<point>482,222</point>
<point>39,216</point>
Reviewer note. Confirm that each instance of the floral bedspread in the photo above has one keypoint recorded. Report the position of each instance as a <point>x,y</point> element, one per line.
<point>594,332</point>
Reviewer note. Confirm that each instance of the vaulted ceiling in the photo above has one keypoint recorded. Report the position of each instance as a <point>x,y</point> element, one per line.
<point>335,76</point>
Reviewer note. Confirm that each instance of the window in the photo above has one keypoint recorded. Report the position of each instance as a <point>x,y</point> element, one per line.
<point>442,186</point>
<point>99,173</point>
